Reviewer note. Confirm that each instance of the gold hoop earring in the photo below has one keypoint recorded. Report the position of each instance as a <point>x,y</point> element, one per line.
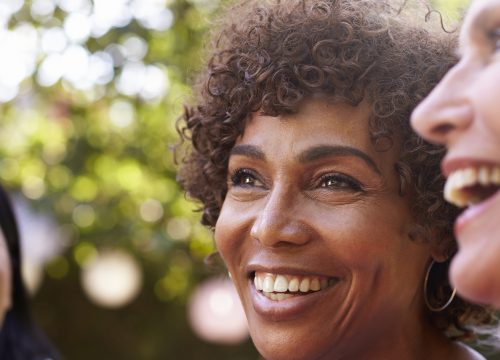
<point>426,297</point>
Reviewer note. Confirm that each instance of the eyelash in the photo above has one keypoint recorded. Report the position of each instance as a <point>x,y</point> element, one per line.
<point>240,175</point>
<point>341,181</point>
<point>248,178</point>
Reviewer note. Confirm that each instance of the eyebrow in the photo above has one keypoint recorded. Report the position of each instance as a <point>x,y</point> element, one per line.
<point>324,151</point>
<point>250,151</point>
<point>313,154</point>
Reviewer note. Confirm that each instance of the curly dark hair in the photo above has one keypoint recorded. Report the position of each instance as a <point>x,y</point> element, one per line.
<point>269,56</point>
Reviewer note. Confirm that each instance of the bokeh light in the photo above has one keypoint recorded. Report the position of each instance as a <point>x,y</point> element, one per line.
<point>60,50</point>
<point>216,314</point>
<point>112,278</point>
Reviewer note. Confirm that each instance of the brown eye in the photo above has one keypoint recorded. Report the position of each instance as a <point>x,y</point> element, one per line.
<point>340,182</point>
<point>245,178</point>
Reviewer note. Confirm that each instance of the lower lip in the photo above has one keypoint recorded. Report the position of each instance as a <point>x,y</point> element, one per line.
<point>474,211</point>
<point>287,309</point>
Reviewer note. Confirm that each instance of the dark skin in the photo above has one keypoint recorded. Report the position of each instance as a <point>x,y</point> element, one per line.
<point>310,196</point>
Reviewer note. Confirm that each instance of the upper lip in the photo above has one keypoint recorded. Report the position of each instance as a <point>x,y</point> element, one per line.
<point>451,164</point>
<point>283,269</point>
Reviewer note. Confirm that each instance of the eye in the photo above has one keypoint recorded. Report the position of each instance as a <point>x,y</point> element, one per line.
<point>494,39</point>
<point>245,178</point>
<point>340,182</point>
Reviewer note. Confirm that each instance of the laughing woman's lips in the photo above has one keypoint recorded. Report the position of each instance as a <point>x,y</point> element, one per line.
<point>281,296</point>
<point>475,211</point>
<point>471,183</point>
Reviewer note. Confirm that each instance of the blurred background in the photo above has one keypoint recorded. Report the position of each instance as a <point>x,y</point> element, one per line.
<point>113,253</point>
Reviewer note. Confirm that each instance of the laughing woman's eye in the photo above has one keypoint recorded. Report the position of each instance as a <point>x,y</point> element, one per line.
<point>245,178</point>
<point>340,182</point>
<point>494,38</point>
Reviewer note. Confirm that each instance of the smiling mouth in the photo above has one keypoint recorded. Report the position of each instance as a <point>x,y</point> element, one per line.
<point>279,287</point>
<point>472,185</point>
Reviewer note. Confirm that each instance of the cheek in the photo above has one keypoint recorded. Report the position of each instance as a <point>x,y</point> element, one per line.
<point>488,99</point>
<point>229,235</point>
<point>376,241</point>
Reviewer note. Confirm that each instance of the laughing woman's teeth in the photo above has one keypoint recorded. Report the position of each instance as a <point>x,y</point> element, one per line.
<point>472,185</point>
<point>483,176</point>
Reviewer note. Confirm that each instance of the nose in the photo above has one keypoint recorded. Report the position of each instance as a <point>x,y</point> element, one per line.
<point>282,220</point>
<point>447,110</point>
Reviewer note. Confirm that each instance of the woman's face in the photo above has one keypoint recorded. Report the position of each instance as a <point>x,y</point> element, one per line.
<point>463,113</point>
<point>5,278</point>
<point>315,236</point>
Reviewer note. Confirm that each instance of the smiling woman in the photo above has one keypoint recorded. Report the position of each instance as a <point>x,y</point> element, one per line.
<point>326,207</point>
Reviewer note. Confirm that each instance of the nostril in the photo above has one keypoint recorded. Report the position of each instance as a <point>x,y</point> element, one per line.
<point>442,129</point>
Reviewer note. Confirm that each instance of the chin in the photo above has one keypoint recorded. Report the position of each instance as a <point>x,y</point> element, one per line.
<point>276,345</point>
<point>289,352</point>
<point>477,281</point>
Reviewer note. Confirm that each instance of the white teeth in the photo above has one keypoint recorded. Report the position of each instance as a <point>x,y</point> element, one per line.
<point>304,285</point>
<point>293,285</point>
<point>257,280</point>
<point>495,176</point>
<point>277,296</point>
<point>454,190</point>
<point>268,284</point>
<point>275,284</point>
<point>483,176</point>
<point>315,285</point>
<point>280,284</point>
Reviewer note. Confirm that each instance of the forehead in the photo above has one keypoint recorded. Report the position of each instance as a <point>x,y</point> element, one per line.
<point>317,120</point>
<point>317,124</point>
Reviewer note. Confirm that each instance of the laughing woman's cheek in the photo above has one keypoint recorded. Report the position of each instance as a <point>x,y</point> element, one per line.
<point>474,269</point>
<point>462,113</point>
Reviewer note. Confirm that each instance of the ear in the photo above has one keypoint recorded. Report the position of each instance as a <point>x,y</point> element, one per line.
<point>439,254</point>
<point>440,249</point>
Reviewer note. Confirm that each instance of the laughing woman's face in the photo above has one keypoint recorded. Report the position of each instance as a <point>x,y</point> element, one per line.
<point>463,113</point>
<point>315,236</point>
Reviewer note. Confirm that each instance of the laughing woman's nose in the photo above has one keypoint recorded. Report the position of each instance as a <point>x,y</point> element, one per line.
<point>448,110</point>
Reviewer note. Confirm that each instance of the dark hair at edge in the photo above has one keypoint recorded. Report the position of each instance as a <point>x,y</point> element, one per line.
<point>20,339</point>
<point>269,56</point>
